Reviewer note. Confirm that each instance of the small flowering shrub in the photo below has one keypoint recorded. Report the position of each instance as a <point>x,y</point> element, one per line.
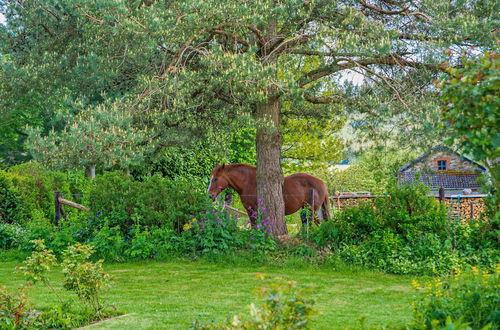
<point>472,297</point>
<point>87,279</point>
<point>217,231</point>
<point>214,231</point>
<point>15,310</point>
<point>39,263</point>
<point>282,307</point>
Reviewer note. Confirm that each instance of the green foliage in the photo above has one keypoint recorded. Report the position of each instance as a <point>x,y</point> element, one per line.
<point>406,233</point>
<point>310,144</point>
<point>101,137</point>
<point>35,186</point>
<point>12,235</point>
<point>39,263</point>
<point>472,297</point>
<point>141,244</point>
<point>15,310</point>
<point>87,279</point>
<point>108,242</point>
<point>11,206</point>
<point>471,109</point>
<point>470,94</point>
<point>373,170</point>
<point>154,201</point>
<point>283,307</point>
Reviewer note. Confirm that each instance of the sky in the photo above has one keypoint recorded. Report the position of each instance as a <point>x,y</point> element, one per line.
<point>2,19</point>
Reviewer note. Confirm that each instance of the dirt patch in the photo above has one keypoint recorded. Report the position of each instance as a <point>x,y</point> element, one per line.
<point>105,320</point>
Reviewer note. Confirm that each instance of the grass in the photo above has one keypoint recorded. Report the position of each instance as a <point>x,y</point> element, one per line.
<point>172,294</point>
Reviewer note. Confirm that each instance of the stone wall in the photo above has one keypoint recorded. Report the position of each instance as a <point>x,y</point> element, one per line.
<point>454,163</point>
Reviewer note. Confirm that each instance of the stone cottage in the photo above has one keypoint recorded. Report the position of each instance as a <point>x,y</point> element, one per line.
<point>442,167</point>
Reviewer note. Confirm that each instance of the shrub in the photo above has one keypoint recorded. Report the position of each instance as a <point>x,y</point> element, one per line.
<point>11,206</point>
<point>12,236</point>
<point>39,263</point>
<point>473,297</point>
<point>408,233</point>
<point>15,310</point>
<point>215,231</point>
<point>86,279</point>
<point>108,243</point>
<point>141,245</point>
<point>155,201</point>
<point>283,307</point>
<point>35,186</point>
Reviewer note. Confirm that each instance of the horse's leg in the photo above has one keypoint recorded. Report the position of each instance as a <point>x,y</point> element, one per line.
<point>310,200</point>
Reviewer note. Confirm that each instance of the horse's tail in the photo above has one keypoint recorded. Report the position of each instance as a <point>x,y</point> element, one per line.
<point>325,207</point>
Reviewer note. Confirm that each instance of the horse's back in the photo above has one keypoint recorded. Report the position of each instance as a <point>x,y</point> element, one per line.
<point>303,182</point>
<point>305,179</point>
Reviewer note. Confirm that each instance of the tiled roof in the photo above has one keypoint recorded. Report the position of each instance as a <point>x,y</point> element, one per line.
<point>442,180</point>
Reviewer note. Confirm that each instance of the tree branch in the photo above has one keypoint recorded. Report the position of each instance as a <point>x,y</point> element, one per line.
<point>404,11</point>
<point>344,64</point>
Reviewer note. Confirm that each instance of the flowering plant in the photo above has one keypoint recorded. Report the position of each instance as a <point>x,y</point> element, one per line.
<point>472,297</point>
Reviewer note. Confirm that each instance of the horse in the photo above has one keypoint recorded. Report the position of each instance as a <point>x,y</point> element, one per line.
<point>300,190</point>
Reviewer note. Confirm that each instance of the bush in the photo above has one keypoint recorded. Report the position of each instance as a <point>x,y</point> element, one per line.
<point>34,185</point>
<point>283,307</point>
<point>11,207</point>
<point>15,310</point>
<point>473,297</point>
<point>12,236</point>
<point>155,201</point>
<point>108,243</point>
<point>408,233</point>
<point>87,279</point>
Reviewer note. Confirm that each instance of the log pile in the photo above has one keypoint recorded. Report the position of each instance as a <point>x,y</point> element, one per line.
<point>464,208</point>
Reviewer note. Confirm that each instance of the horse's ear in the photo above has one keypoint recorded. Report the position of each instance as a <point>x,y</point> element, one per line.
<point>222,167</point>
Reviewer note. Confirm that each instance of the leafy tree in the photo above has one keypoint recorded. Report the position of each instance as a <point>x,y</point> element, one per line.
<point>310,144</point>
<point>190,68</point>
<point>471,109</point>
<point>50,57</point>
<point>101,136</point>
<point>255,56</point>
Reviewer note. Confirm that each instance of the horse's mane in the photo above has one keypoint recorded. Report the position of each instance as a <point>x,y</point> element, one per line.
<point>222,167</point>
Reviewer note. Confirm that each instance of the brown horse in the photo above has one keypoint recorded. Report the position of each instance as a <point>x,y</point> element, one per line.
<point>300,190</point>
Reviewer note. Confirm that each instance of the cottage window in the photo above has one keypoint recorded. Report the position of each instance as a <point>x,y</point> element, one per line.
<point>441,165</point>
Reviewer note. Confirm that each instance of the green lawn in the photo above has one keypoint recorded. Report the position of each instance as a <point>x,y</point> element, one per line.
<point>172,294</point>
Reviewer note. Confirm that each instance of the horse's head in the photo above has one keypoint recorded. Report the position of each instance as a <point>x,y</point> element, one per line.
<point>218,182</point>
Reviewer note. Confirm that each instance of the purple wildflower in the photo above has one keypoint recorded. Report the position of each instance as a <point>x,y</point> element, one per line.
<point>258,226</point>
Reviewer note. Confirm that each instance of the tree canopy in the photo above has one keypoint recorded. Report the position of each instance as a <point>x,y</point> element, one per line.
<point>186,69</point>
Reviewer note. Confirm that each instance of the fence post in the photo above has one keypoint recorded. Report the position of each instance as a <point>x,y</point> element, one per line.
<point>441,194</point>
<point>57,194</point>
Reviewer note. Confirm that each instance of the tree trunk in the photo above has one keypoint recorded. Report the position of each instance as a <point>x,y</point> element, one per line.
<point>90,172</point>
<point>269,172</point>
